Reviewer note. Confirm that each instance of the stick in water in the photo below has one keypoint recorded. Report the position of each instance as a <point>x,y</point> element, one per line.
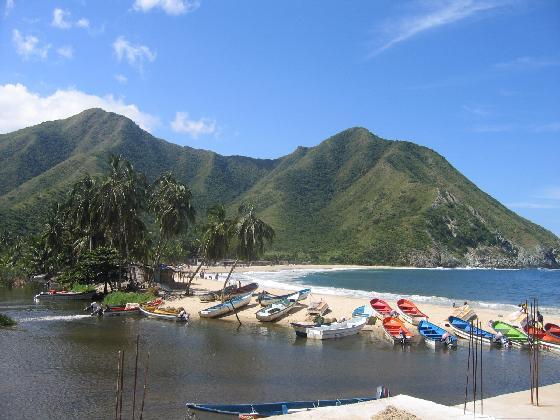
<point>135,376</point>
<point>145,386</point>
<point>118,386</point>
<point>121,387</point>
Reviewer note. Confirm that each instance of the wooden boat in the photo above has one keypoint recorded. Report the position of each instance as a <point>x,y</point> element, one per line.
<point>464,312</point>
<point>230,292</point>
<point>464,329</point>
<point>63,295</point>
<point>552,329</point>
<point>266,298</point>
<point>301,327</point>
<point>515,336</point>
<point>258,410</point>
<point>365,311</point>
<point>169,314</point>
<point>381,309</point>
<point>410,312</point>
<point>319,307</point>
<point>546,340</point>
<point>337,329</point>
<point>226,307</point>
<point>276,310</point>
<point>128,309</point>
<point>395,330</point>
<point>435,336</point>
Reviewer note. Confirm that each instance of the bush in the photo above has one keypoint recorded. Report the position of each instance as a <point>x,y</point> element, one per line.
<point>6,321</point>
<point>82,288</point>
<point>122,298</point>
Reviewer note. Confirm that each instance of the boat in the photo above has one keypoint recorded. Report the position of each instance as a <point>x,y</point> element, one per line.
<point>276,310</point>
<point>552,329</point>
<point>337,329</point>
<point>365,311</point>
<point>171,314</point>
<point>258,410</point>
<point>436,336</point>
<point>128,309</point>
<point>301,327</point>
<point>229,293</point>
<point>410,312</point>
<point>464,330</point>
<point>395,330</point>
<point>225,307</point>
<point>63,295</point>
<point>381,309</point>
<point>545,340</point>
<point>514,335</point>
<point>464,312</point>
<point>319,307</point>
<point>265,298</point>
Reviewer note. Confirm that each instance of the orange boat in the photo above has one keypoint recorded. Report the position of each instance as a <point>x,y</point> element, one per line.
<point>396,331</point>
<point>552,329</point>
<point>410,312</point>
<point>546,340</point>
<point>381,309</point>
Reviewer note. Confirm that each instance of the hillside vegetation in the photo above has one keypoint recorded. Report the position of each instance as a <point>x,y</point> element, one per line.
<point>354,198</point>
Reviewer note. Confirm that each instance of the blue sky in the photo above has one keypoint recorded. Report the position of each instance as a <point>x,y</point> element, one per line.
<point>477,81</point>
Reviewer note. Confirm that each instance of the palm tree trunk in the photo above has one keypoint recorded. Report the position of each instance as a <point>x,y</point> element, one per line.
<point>227,279</point>
<point>188,290</point>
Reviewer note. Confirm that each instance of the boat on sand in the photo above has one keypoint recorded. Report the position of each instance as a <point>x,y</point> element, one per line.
<point>319,307</point>
<point>229,292</point>
<point>226,307</point>
<point>276,310</point>
<point>381,309</point>
<point>547,341</point>
<point>395,330</point>
<point>337,329</point>
<point>364,310</point>
<point>435,336</point>
<point>265,298</point>
<point>410,312</point>
<point>552,329</point>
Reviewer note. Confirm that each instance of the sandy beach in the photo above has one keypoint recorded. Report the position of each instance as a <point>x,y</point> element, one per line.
<point>340,306</point>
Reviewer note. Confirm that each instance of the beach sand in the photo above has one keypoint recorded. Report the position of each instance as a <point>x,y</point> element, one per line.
<point>340,306</point>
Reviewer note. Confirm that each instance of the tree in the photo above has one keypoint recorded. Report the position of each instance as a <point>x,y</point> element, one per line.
<point>170,202</point>
<point>82,216</point>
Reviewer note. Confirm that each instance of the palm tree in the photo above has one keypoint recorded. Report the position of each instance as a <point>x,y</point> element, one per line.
<point>170,202</point>
<point>81,214</point>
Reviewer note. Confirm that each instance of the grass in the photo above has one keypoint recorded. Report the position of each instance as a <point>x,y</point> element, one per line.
<point>81,288</point>
<point>6,321</point>
<point>122,298</point>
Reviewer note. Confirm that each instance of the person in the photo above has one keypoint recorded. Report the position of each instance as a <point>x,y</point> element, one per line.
<point>540,319</point>
<point>403,337</point>
<point>96,309</point>
<point>182,314</point>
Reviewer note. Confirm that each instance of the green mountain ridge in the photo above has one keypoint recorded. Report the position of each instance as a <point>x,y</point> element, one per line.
<point>354,198</point>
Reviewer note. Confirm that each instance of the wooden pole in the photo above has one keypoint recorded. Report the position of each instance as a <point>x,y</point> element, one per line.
<point>537,357</point>
<point>121,385</point>
<point>145,386</point>
<point>468,374</point>
<point>475,368</point>
<point>118,386</point>
<point>481,394</point>
<point>135,377</point>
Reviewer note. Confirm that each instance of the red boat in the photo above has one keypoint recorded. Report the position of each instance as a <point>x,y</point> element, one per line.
<point>396,331</point>
<point>129,309</point>
<point>410,312</point>
<point>552,329</point>
<point>381,309</point>
<point>548,341</point>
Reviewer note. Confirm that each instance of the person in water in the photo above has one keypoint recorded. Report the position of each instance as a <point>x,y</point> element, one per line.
<point>96,309</point>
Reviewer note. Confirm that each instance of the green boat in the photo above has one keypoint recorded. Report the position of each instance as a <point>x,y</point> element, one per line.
<point>517,337</point>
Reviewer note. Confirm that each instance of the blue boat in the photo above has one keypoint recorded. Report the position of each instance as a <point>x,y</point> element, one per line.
<point>436,336</point>
<point>279,408</point>
<point>464,330</point>
<point>365,311</point>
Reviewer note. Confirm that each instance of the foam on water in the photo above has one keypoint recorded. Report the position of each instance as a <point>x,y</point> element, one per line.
<point>54,318</point>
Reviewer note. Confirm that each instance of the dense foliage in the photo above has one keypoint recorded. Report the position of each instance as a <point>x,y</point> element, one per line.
<point>122,298</point>
<point>6,321</point>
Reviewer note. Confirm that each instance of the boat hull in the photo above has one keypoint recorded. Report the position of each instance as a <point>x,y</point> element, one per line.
<point>380,308</point>
<point>410,312</point>
<point>65,296</point>
<point>268,299</point>
<point>128,312</point>
<point>266,314</point>
<point>433,335</point>
<point>226,307</point>
<point>392,327</point>
<point>337,330</point>
<point>168,317</point>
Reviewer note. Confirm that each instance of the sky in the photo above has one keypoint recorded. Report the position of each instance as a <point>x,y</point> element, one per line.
<point>478,81</point>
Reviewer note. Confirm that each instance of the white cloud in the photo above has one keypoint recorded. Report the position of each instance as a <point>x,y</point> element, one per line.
<point>29,46</point>
<point>446,12</point>
<point>194,128</point>
<point>553,127</point>
<point>8,7</point>
<point>61,20</point>
<point>66,51</point>
<point>550,193</point>
<point>135,55</point>
<point>21,108</point>
<point>121,78</point>
<point>171,7</point>
<point>527,63</point>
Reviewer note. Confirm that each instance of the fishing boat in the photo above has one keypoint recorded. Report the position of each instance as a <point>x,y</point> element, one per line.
<point>381,309</point>
<point>128,309</point>
<point>63,295</point>
<point>171,314</point>
<point>226,307</point>
<point>410,312</point>
<point>515,336</point>
<point>365,311</point>
<point>258,410</point>
<point>319,307</point>
<point>464,312</point>
<point>464,330</point>
<point>276,310</point>
<point>395,330</point>
<point>552,329</point>
<point>337,329</point>
<point>265,298</point>
<point>435,336</point>
<point>547,341</point>
<point>301,328</point>
<point>217,294</point>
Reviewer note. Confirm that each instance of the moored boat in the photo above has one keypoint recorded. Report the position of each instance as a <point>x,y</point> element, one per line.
<point>546,340</point>
<point>410,312</point>
<point>435,336</point>
<point>126,310</point>
<point>552,329</point>
<point>266,298</point>
<point>515,336</point>
<point>226,307</point>
<point>171,314</point>
<point>395,330</point>
<point>65,296</point>
<point>319,307</point>
<point>301,328</point>
<point>464,330</point>
<point>381,309</point>
<point>276,310</point>
<point>365,311</point>
<point>337,329</point>
<point>216,294</point>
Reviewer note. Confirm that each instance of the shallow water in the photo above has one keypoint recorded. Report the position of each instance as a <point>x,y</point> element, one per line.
<point>62,364</point>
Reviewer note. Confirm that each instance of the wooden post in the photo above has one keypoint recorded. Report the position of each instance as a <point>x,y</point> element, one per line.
<point>118,385</point>
<point>135,376</point>
<point>121,385</point>
<point>145,386</point>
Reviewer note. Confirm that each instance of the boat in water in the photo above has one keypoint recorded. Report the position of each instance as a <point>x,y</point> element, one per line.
<point>170,314</point>
<point>410,312</point>
<point>552,329</point>
<point>546,341</point>
<point>381,309</point>
<point>259,410</point>
<point>229,292</point>
<point>226,307</point>
<point>514,335</point>
<point>126,310</point>
<point>395,330</point>
<point>276,310</point>
<point>435,336</point>
<point>265,298</point>
<point>464,329</point>
<point>63,295</point>
<point>337,329</point>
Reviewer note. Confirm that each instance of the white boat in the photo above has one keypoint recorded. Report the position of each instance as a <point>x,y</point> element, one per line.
<point>170,315</point>
<point>276,310</point>
<point>337,329</point>
<point>301,327</point>
<point>365,311</point>
<point>226,307</point>
<point>266,298</point>
<point>64,296</point>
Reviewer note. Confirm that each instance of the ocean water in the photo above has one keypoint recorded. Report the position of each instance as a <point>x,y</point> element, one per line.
<point>499,289</point>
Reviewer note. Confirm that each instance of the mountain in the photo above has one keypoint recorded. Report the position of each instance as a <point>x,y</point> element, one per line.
<point>354,198</point>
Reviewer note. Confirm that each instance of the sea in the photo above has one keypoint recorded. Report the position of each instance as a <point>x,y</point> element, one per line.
<point>60,363</point>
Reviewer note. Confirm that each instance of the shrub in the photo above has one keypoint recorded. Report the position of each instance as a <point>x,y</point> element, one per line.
<point>6,321</point>
<point>122,298</point>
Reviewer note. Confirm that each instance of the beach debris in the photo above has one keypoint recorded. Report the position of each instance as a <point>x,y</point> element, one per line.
<point>393,413</point>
